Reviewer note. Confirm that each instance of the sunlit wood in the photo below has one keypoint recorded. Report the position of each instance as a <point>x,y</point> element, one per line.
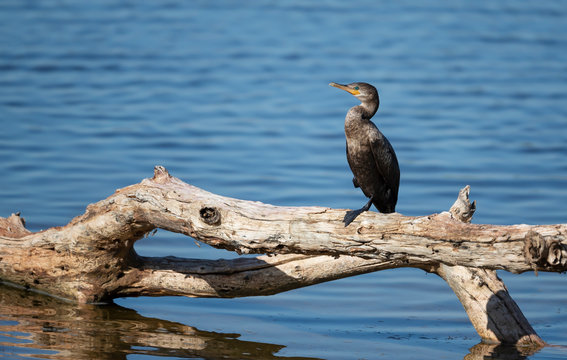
<point>92,258</point>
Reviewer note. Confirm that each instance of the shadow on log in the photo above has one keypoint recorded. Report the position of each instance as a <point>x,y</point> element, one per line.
<point>92,259</point>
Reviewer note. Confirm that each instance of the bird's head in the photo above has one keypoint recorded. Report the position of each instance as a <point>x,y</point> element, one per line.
<point>362,91</point>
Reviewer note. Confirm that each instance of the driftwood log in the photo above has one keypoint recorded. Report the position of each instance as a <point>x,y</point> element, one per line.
<point>92,259</point>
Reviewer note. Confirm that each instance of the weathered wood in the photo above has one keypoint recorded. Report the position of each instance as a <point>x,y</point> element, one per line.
<point>491,310</point>
<point>253,227</point>
<point>92,258</point>
<point>264,275</point>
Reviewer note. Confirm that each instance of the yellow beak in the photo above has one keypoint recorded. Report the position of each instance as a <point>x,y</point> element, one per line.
<point>345,88</point>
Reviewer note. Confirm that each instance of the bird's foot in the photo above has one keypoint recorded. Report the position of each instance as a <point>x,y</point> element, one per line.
<point>351,215</point>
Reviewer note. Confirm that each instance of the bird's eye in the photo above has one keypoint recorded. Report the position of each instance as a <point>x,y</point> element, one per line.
<point>356,88</point>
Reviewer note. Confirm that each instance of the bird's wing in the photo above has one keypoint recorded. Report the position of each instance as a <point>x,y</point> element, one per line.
<point>386,160</point>
<point>354,181</point>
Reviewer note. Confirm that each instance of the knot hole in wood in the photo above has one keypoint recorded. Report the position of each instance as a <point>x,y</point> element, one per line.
<point>210,215</point>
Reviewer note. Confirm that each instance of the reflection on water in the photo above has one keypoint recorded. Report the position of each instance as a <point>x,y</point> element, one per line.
<point>35,325</point>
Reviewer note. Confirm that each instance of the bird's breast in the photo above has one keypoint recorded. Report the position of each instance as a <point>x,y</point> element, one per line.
<point>360,157</point>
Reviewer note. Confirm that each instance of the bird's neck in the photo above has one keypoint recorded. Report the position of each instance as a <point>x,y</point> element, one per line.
<point>357,117</point>
<point>368,109</point>
<point>361,113</point>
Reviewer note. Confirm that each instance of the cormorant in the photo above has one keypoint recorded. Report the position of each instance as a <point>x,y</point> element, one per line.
<point>370,155</point>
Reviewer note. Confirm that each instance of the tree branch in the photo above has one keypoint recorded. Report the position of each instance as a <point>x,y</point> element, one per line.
<point>253,227</point>
<point>264,275</point>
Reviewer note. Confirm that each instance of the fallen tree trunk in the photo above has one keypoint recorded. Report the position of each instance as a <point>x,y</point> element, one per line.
<point>92,258</point>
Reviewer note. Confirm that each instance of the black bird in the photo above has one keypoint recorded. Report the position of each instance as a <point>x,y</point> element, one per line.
<point>370,155</point>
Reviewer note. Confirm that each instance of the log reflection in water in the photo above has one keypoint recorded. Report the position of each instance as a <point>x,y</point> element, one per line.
<point>35,325</point>
<point>32,324</point>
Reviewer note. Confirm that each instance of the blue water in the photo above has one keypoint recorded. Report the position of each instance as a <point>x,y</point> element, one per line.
<point>234,98</point>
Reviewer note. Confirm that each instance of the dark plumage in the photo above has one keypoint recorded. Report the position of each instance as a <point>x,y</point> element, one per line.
<point>370,155</point>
